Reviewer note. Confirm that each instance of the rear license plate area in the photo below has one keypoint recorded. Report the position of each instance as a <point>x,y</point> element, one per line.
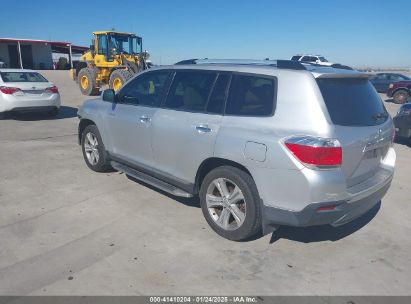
<point>33,92</point>
<point>376,153</point>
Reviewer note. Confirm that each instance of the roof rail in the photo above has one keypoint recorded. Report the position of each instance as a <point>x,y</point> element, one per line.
<point>281,64</point>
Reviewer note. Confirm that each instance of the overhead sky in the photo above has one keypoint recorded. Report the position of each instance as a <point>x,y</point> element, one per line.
<point>355,32</point>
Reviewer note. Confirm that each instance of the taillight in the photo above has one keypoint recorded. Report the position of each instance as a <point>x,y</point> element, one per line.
<point>327,208</point>
<point>52,89</point>
<point>315,152</point>
<point>9,90</point>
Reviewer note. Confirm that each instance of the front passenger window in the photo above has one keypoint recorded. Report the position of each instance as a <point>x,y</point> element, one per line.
<point>145,90</point>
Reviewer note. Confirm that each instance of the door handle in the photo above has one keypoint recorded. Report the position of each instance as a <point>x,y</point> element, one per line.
<point>145,119</point>
<point>203,129</point>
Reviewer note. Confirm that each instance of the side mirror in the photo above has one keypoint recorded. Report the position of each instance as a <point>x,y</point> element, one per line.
<point>109,95</point>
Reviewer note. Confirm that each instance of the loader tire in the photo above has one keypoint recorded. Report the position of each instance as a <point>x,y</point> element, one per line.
<point>87,82</point>
<point>118,78</point>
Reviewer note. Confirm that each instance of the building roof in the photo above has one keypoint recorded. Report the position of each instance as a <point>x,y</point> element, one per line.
<point>56,43</point>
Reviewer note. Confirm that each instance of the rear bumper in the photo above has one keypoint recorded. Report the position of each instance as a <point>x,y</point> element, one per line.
<point>11,103</point>
<point>344,212</point>
<point>356,201</point>
<point>35,109</point>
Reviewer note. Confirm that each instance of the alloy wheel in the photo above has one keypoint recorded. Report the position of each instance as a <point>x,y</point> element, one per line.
<point>226,204</point>
<point>91,148</point>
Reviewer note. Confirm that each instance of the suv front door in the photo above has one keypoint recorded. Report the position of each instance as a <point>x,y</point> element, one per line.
<point>129,120</point>
<point>185,128</point>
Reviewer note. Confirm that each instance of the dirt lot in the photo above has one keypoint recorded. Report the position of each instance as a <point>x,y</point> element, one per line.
<point>65,230</point>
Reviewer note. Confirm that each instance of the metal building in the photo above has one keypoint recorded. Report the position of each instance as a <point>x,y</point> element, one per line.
<point>35,54</point>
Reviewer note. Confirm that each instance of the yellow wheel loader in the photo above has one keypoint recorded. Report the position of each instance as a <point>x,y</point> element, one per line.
<point>113,58</point>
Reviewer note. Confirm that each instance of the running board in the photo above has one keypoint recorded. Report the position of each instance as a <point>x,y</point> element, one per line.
<point>148,179</point>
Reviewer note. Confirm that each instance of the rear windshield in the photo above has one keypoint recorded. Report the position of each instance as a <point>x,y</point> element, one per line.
<point>22,77</point>
<point>352,102</point>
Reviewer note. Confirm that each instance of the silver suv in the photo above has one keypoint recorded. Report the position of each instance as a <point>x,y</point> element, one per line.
<point>262,144</point>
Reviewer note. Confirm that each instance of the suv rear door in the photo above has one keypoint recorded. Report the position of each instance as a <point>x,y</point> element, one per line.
<point>185,128</point>
<point>362,125</point>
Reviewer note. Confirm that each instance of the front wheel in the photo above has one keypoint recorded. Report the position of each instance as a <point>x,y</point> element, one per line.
<point>87,82</point>
<point>94,152</point>
<point>401,96</point>
<point>118,78</point>
<point>230,203</point>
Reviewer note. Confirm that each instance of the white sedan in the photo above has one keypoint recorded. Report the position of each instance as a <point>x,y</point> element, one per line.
<point>26,91</point>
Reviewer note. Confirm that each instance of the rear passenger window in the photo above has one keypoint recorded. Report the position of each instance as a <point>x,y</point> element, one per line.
<point>251,96</point>
<point>190,91</point>
<point>219,94</point>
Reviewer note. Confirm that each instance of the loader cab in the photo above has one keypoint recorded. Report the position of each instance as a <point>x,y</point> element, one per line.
<point>110,44</point>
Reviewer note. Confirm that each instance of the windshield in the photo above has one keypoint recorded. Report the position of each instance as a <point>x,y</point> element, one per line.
<point>22,77</point>
<point>125,44</point>
<point>322,59</point>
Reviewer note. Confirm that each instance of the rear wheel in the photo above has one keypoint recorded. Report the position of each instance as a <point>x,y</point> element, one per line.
<point>230,203</point>
<point>118,78</point>
<point>94,152</point>
<point>401,96</point>
<point>87,82</point>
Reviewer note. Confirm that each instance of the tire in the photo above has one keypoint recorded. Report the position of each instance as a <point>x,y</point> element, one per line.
<point>87,82</point>
<point>118,78</point>
<point>401,96</point>
<point>223,222</point>
<point>89,147</point>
